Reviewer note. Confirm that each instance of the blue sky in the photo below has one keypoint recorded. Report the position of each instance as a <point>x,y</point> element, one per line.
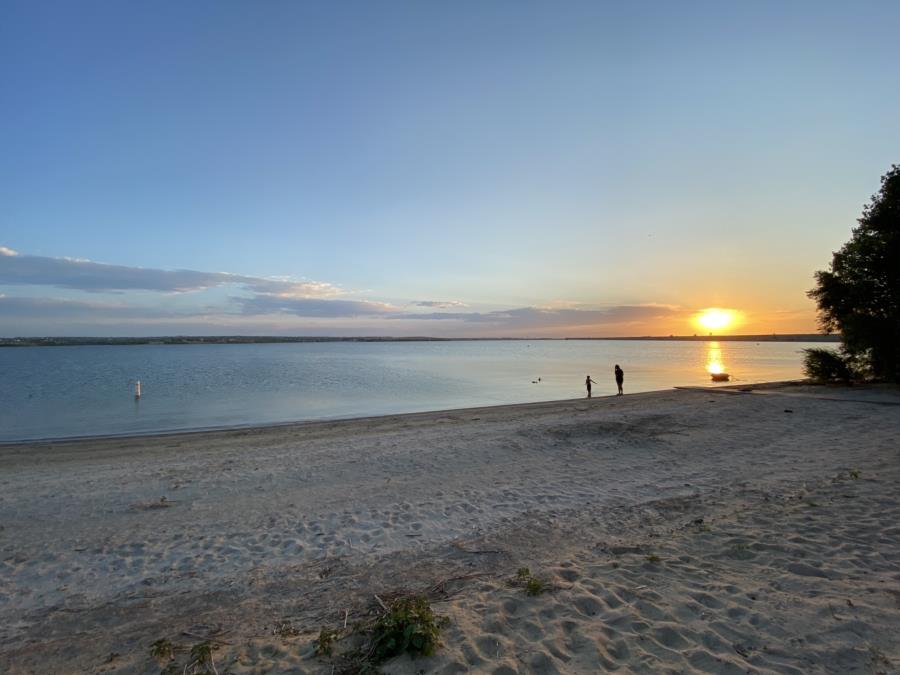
<point>519,168</point>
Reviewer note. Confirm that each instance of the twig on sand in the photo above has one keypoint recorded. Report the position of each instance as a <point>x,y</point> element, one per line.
<point>439,586</point>
<point>346,614</point>
<point>207,638</point>
<point>381,602</point>
<point>163,503</point>
<point>462,548</point>
<point>741,649</point>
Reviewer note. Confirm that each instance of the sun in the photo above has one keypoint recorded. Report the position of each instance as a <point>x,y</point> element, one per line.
<point>714,319</point>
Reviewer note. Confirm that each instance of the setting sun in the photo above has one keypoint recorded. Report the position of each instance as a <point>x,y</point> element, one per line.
<point>714,319</point>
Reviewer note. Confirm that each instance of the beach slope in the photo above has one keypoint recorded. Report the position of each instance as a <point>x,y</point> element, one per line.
<point>689,530</point>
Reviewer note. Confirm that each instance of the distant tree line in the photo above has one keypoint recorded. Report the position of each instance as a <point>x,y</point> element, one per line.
<point>193,340</point>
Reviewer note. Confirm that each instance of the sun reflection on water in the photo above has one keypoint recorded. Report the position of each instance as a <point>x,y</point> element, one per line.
<point>714,365</point>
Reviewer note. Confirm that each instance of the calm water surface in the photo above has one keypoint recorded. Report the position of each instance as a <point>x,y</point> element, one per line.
<point>52,392</point>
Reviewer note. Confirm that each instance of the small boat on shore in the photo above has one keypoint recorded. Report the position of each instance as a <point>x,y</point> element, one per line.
<point>720,377</point>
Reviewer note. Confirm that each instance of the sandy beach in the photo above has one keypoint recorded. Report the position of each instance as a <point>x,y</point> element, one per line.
<point>687,531</point>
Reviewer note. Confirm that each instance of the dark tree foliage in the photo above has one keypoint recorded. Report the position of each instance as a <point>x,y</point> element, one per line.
<point>826,365</point>
<point>860,294</point>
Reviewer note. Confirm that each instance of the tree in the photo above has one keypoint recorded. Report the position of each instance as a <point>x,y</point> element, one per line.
<point>860,294</point>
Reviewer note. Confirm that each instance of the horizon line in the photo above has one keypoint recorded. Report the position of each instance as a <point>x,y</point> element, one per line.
<point>236,338</point>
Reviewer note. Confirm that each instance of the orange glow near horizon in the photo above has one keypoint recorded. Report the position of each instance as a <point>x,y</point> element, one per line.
<point>714,319</point>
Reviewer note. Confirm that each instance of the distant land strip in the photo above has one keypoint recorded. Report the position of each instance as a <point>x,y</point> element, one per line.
<point>768,337</point>
<point>265,339</point>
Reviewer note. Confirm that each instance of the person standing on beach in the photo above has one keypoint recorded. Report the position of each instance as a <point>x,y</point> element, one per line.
<point>587,383</point>
<point>620,379</point>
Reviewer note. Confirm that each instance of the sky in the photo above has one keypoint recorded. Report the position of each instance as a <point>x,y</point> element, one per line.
<point>505,168</point>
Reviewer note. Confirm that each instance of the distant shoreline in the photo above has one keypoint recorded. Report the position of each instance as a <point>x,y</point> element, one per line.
<point>268,339</point>
<point>774,337</point>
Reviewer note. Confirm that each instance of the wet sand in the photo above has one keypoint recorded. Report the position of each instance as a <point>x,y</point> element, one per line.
<point>687,530</point>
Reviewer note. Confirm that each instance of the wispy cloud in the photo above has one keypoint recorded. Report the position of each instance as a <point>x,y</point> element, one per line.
<point>439,304</point>
<point>312,307</point>
<point>298,316</point>
<point>85,275</point>
<point>94,277</point>
<point>30,308</point>
<point>283,287</point>
<point>541,317</point>
<point>266,301</point>
<point>284,296</point>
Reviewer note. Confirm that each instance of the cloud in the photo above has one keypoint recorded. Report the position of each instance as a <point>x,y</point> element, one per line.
<point>285,288</point>
<point>268,300</point>
<point>542,317</point>
<point>50,316</point>
<point>439,304</point>
<point>90,276</point>
<point>30,308</point>
<point>269,314</point>
<point>312,307</point>
<point>284,296</point>
<point>93,277</point>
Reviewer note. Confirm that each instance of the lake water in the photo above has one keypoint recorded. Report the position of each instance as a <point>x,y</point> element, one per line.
<point>52,392</point>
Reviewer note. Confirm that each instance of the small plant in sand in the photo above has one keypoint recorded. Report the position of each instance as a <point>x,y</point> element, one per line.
<point>534,586</point>
<point>405,625</point>
<point>855,474</point>
<point>324,645</point>
<point>286,629</point>
<point>531,584</point>
<point>653,559</point>
<point>162,650</point>
<point>408,627</point>
<point>201,662</point>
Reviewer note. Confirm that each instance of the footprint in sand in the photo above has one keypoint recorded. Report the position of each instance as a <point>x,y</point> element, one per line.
<point>569,575</point>
<point>587,605</point>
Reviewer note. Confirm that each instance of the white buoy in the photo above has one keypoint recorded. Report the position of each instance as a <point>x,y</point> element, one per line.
<point>137,389</point>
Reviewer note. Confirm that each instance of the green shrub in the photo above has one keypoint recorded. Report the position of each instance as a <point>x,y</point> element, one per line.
<point>826,365</point>
<point>408,627</point>
<point>202,660</point>
<point>162,650</point>
<point>534,586</point>
<point>531,584</point>
<point>324,646</point>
